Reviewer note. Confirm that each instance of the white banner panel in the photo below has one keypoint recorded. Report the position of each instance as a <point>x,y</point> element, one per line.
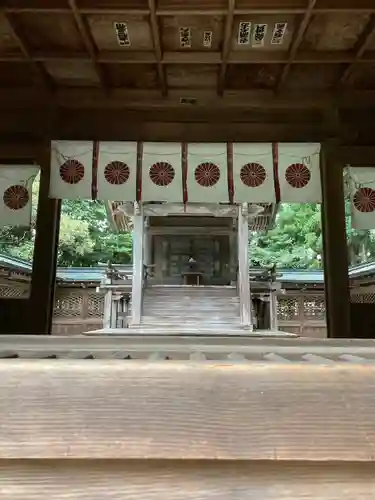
<point>117,171</point>
<point>162,172</point>
<point>253,177</point>
<point>362,197</point>
<point>207,173</point>
<point>71,170</point>
<point>16,194</point>
<point>299,173</point>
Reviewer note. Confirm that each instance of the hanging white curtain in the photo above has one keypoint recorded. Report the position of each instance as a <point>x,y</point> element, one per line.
<point>362,196</point>
<point>117,171</point>
<point>71,169</point>
<point>253,176</point>
<point>299,172</point>
<point>16,194</point>
<point>207,173</point>
<point>162,172</point>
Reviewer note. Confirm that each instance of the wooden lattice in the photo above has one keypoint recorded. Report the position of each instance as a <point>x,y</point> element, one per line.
<point>14,291</point>
<point>288,308</point>
<point>68,305</point>
<point>363,298</point>
<point>314,307</point>
<point>95,305</point>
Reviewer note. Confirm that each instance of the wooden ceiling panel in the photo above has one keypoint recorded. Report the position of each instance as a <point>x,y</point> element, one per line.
<point>192,4</point>
<point>270,21</point>
<point>37,4</point>
<point>253,76</point>
<point>271,4</point>
<point>112,4</point>
<point>339,31</point>
<point>199,25</point>
<point>72,73</point>
<point>50,32</point>
<point>104,33</point>
<point>341,4</point>
<point>363,77</point>
<point>139,76</point>
<point>192,76</point>
<point>313,76</point>
<point>8,44</point>
<point>14,74</point>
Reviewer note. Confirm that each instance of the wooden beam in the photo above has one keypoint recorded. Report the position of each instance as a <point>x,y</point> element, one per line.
<point>195,57</point>
<point>139,410</point>
<point>155,33</point>
<point>226,45</point>
<point>88,41</point>
<point>202,11</point>
<point>296,42</point>
<point>206,99</point>
<point>361,46</point>
<point>172,480</point>
<point>42,75</point>
<point>336,278</point>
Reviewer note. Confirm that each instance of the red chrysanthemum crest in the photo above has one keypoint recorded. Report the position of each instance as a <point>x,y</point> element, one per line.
<point>297,175</point>
<point>364,200</point>
<point>207,174</point>
<point>116,172</point>
<point>72,172</point>
<point>161,173</point>
<point>253,174</point>
<point>16,197</point>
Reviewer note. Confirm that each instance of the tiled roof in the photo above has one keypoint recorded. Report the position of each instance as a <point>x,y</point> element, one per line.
<point>95,274</point>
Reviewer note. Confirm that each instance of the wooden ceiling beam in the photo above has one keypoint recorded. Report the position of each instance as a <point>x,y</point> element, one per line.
<point>360,49</point>
<point>226,45</point>
<point>155,33</point>
<point>87,41</point>
<point>201,98</point>
<point>187,12</point>
<point>296,42</point>
<point>40,72</point>
<point>195,57</point>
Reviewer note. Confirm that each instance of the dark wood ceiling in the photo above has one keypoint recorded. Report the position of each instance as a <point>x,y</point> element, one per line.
<point>204,55</point>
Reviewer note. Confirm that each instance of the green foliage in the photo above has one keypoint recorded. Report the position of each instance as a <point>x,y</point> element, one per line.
<point>294,242</point>
<point>86,237</point>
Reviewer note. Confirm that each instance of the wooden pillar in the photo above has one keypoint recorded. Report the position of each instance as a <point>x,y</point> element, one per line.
<point>337,298</point>
<point>243,269</point>
<point>147,243</point>
<point>45,251</point>
<point>137,283</point>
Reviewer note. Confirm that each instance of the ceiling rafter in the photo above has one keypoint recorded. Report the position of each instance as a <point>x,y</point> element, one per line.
<point>226,45</point>
<point>155,32</point>
<point>87,41</point>
<point>361,46</point>
<point>296,42</point>
<point>214,58</point>
<point>39,69</point>
<point>188,12</point>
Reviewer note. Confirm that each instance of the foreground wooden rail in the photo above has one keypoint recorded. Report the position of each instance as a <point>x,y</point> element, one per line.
<point>264,424</point>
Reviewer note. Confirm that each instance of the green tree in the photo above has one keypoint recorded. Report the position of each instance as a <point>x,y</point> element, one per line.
<point>86,237</point>
<point>294,242</point>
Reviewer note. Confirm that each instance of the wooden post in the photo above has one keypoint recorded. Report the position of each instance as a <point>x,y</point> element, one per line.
<point>336,276</point>
<point>107,304</point>
<point>243,268</point>
<point>45,251</point>
<point>137,283</point>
